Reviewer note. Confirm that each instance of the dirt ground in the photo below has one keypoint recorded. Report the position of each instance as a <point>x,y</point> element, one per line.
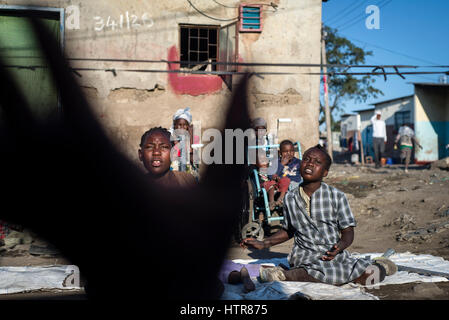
<point>393,209</point>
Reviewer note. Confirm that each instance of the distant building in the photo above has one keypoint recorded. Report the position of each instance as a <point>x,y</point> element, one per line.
<point>349,126</point>
<point>431,118</point>
<point>366,129</point>
<point>395,113</point>
<point>426,111</point>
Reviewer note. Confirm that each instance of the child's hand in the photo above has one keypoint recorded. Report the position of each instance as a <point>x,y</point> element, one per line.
<point>252,243</point>
<point>286,160</point>
<point>330,255</point>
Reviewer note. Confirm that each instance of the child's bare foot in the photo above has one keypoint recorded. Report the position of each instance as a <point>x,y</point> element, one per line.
<point>272,205</point>
<point>280,202</point>
<point>234,277</point>
<point>248,284</point>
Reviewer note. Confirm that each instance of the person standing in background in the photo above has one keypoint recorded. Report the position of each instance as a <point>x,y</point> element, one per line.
<point>406,138</point>
<point>379,137</point>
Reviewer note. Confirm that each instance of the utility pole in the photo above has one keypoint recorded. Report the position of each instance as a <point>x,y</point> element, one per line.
<point>326,96</point>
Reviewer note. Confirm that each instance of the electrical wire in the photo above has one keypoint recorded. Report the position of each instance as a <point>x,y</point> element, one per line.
<point>248,64</point>
<point>223,5</point>
<point>420,76</point>
<point>343,11</point>
<point>357,17</point>
<point>342,27</point>
<point>394,52</point>
<point>204,14</point>
<point>357,14</point>
<point>114,71</point>
<point>273,5</point>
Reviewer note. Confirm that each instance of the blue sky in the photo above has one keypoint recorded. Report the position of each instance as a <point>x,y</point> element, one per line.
<point>412,32</point>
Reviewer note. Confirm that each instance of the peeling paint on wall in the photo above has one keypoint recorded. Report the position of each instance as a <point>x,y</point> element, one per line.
<point>289,97</point>
<point>126,95</point>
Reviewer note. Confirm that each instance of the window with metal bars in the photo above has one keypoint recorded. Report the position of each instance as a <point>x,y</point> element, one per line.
<point>198,45</point>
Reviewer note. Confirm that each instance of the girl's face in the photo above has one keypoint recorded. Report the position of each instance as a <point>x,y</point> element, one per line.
<point>155,154</point>
<point>181,124</point>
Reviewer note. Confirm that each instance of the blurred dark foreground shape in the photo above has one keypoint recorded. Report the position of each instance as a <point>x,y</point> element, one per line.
<point>65,180</point>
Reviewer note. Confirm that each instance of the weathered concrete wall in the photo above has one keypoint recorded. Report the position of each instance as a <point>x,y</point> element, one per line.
<point>391,107</point>
<point>432,122</point>
<point>290,35</point>
<point>130,102</point>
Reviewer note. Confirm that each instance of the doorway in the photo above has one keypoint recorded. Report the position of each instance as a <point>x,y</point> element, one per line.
<point>23,57</point>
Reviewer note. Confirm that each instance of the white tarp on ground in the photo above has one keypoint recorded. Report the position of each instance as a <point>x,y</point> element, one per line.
<point>283,290</point>
<point>280,290</point>
<point>22,279</point>
<point>407,259</point>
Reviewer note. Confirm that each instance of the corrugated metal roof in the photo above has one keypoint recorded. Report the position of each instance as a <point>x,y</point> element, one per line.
<point>366,109</point>
<point>389,100</point>
<point>433,84</point>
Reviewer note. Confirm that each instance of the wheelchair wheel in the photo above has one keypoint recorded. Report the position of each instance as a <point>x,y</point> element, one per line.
<point>253,230</point>
<point>245,211</point>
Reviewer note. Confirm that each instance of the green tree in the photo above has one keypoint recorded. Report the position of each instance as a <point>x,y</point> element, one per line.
<point>341,51</point>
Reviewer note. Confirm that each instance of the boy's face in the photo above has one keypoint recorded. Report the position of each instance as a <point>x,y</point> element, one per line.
<point>313,166</point>
<point>287,151</point>
<point>181,124</point>
<point>155,154</point>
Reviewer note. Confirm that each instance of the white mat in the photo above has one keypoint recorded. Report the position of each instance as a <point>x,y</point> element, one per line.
<point>423,261</point>
<point>22,279</point>
<point>281,290</point>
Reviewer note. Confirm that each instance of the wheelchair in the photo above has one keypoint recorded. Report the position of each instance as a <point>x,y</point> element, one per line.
<point>256,219</point>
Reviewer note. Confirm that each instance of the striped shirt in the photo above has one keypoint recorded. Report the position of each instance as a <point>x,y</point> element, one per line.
<point>315,234</point>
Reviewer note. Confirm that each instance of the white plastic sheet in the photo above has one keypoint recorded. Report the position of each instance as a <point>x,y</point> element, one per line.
<point>281,290</point>
<point>22,279</point>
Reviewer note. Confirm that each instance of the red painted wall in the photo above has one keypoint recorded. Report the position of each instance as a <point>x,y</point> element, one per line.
<point>193,84</point>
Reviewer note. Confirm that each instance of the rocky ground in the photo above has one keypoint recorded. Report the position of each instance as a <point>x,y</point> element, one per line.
<point>394,209</point>
<point>403,211</point>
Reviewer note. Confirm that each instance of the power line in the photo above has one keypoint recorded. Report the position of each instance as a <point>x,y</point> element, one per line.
<point>251,64</point>
<point>346,26</point>
<point>114,71</point>
<point>223,5</point>
<point>247,64</point>
<point>218,19</point>
<point>357,17</point>
<point>344,10</point>
<point>394,52</point>
<point>272,4</point>
<point>420,76</point>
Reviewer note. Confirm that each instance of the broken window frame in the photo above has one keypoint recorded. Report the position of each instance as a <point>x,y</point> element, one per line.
<point>230,56</point>
<point>191,67</point>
